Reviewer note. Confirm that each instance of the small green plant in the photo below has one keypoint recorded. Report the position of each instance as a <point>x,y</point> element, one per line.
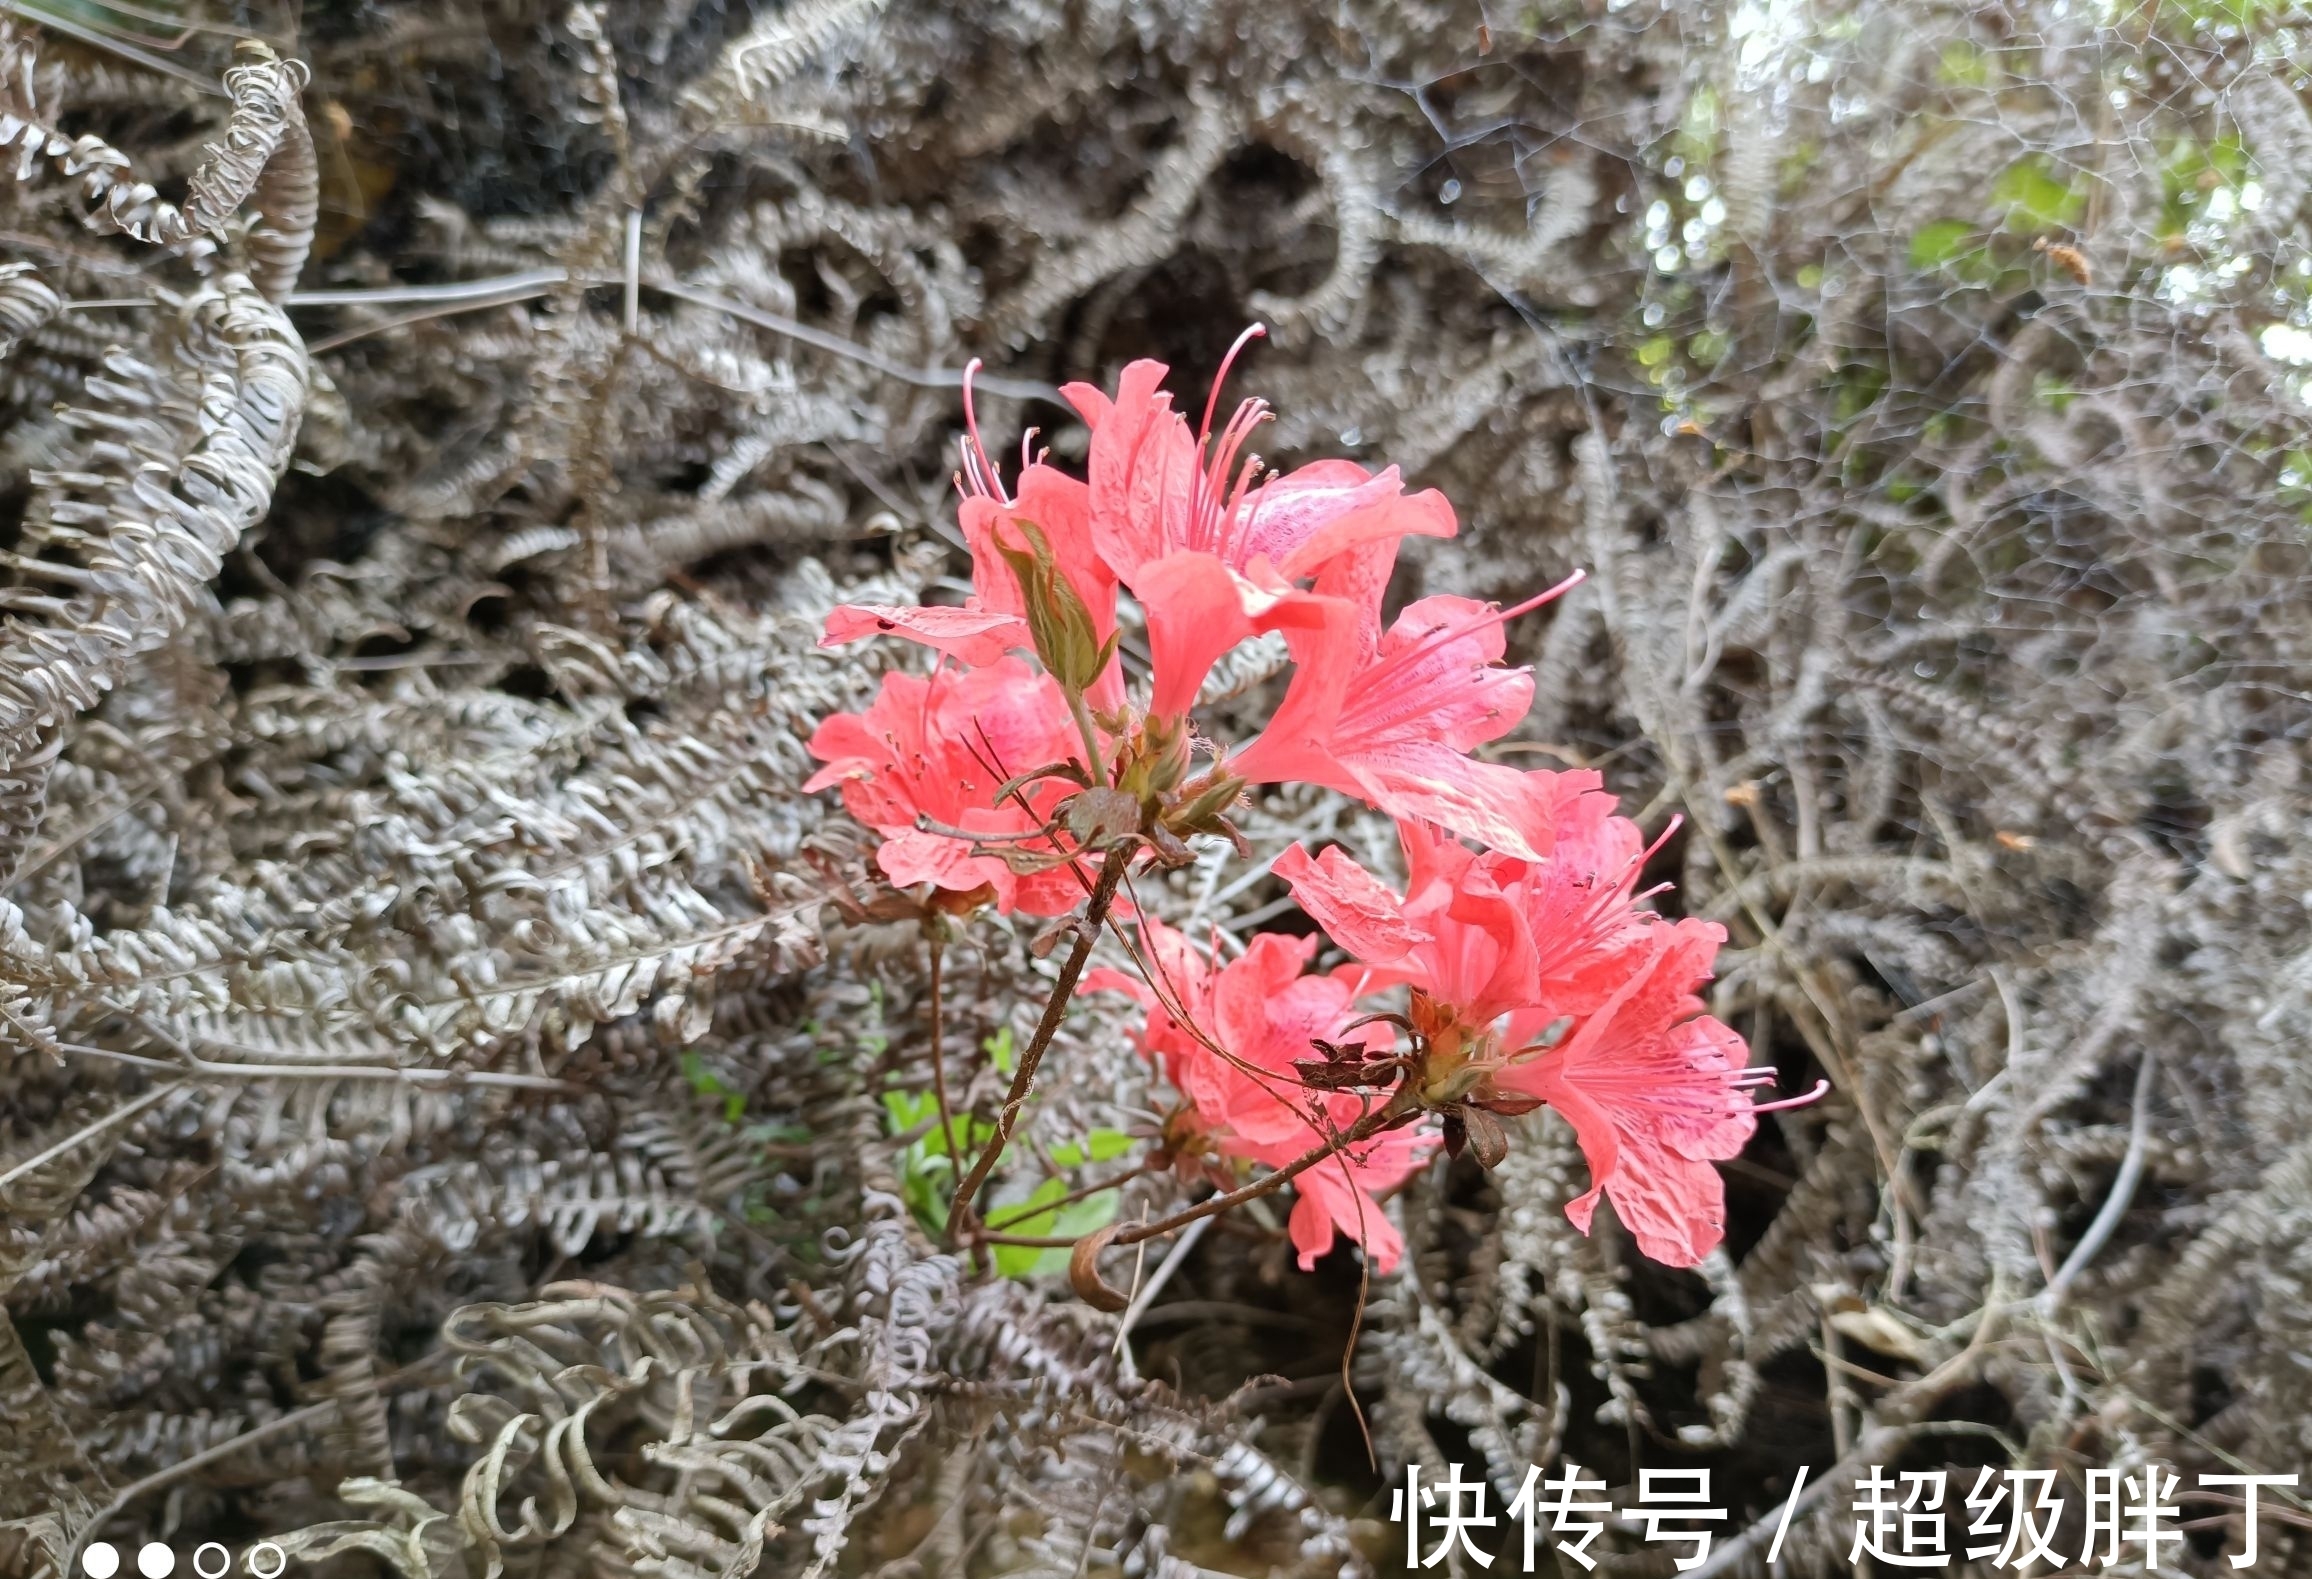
<point>927,1174</point>
<point>711,1086</point>
<point>926,1165</point>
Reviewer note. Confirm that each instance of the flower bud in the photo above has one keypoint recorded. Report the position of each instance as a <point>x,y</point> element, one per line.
<point>1058,620</point>
<point>1159,762</point>
<point>1207,799</point>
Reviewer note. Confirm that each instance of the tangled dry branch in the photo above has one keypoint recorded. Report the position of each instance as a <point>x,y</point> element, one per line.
<point>444,1058</point>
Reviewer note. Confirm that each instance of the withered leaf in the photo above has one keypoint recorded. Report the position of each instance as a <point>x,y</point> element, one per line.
<point>1098,817</point>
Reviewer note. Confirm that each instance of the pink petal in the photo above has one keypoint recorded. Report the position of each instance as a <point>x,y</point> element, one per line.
<point>1195,613</point>
<point>1318,520</point>
<point>1272,963</point>
<point>1141,471</point>
<point>1091,402</point>
<point>1294,519</point>
<point>1393,725</point>
<point>1431,782</point>
<point>1646,1082</point>
<point>1311,1227</point>
<point>1354,907</point>
<point>1197,609</point>
<point>1297,745</point>
<point>1328,1196</point>
<point>915,856</point>
<point>1052,893</point>
<point>1436,678</point>
<point>1106,978</point>
<point>847,744</point>
<point>1061,508</point>
<point>1674,1207</point>
<point>974,636</point>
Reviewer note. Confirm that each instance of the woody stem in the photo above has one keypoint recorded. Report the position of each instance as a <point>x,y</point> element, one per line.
<point>1401,1108</point>
<point>1027,1209</point>
<point>1055,1010</point>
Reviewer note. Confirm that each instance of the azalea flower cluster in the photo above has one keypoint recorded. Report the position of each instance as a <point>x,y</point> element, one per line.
<point>1027,772</point>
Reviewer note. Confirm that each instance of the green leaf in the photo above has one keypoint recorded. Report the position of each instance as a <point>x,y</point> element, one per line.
<point>1941,242</point>
<point>924,1183</point>
<point>999,1049</point>
<point>1072,1221</point>
<point>1100,1145</point>
<point>704,1081</point>
<point>1020,1260</point>
<point>2036,197</point>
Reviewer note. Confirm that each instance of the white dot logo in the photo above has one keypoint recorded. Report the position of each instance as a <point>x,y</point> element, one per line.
<point>208,1552</point>
<point>99,1561</point>
<point>155,1561</point>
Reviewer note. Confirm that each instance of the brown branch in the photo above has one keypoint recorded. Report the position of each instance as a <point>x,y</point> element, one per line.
<point>1024,1210</point>
<point>1055,1010</point>
<point>1400,1109</point>
<point>1084,1271</point>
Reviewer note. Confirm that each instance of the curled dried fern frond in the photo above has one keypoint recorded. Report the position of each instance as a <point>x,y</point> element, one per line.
<point>266,154</point>
<point>160,487</point>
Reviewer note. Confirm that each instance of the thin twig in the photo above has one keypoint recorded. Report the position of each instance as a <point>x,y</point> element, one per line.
<point>1399,1109</point>
<point>97,38</point>
<point>2123,1188</point>
<point>194,1065</point>
<point>793,329</point>
<point>85,1134</point>
<point>1021,1211</point>
<point>630,311</point>
<point>504,289</point>
<point>1163,1274</point>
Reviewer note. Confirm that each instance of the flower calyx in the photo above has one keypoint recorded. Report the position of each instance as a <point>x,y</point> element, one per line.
<point>1447,1070</point>
<point>1186,1150</point>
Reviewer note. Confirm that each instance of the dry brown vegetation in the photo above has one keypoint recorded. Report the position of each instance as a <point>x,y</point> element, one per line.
<point>440,1104</point>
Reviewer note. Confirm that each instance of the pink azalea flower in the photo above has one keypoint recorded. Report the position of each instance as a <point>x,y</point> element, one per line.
<point>1212,558</point>
<point>1249,1103</point>
<point>992,621</point>
<point>1157,492</point>
<point>1491,933</point>
<point>1391,718</point>
<point>938,747</point>
<point>1502,954</point>
<point>1656,1092</point>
